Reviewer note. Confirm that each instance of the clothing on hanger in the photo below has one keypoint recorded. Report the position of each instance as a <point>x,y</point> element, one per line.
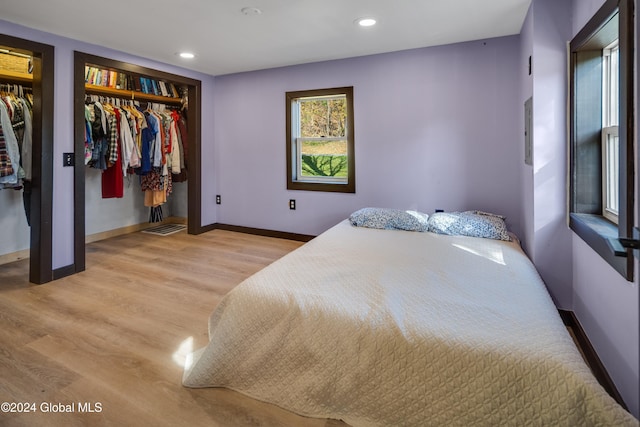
<point>16,104</point>
<point>123,138</point>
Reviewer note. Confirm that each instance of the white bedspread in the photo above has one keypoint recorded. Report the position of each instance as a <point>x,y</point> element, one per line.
<point>387,328</point>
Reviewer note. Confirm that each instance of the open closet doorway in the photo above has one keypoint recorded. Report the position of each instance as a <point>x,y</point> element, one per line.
<point>99,80</point>
<point>30,222</point>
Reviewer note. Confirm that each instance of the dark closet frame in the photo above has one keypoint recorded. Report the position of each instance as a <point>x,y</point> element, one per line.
<point>194,176</point>
<point>40,250</point>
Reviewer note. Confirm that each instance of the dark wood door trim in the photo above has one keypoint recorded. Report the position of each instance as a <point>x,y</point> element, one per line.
<point>194,125</point>
<point>40,252</point>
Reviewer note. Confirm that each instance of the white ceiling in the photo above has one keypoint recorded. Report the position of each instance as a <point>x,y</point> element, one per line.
<point>287,32</point>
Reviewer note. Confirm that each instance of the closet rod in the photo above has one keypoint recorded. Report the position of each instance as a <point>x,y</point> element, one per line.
<point>158,106</point>
<point>130,94</point>
<point>10,52</point>
<point>16,89</point>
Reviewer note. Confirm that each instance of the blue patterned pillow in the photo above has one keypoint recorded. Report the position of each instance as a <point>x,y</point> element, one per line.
<point>390,219</point>
<point>469,223</point>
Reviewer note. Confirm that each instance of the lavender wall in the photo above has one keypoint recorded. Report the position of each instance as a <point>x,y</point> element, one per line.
<point>605,303</point>
<point>526,92</point>
<point>552,245</point>
<point>434,128</point>
<point>607,307</point>
<point>63,136</point>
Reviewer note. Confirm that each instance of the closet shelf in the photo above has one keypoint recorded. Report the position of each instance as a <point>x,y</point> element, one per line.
<point>15,77</point>
<point>129,94</point>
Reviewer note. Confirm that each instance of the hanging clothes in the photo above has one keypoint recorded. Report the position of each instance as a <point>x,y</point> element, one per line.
<point>16,105</point>
<point>98,140</point>
<point>122,138</point>
<point>130,157</point>
<point>27,140</point>
<point>6,165</point>
<point>10,169</point>
<point>112,177</point>
<point>181,123</point>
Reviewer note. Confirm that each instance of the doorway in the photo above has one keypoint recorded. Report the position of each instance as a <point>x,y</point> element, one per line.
<point>193,88</point>
<point>40,200</point>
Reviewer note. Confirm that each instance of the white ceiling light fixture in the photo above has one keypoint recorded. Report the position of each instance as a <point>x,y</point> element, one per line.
<point>365,22</point>
<point>251,11</point>
<point>186,55</point>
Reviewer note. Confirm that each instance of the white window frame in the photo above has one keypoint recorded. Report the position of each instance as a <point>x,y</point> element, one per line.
<point>610,173</point>
<point>610,144</point>
<point>299,140</point>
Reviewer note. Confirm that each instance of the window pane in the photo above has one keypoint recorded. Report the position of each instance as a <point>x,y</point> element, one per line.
<point>323,117</point>
<point>614,96</point>
<point>610,118</point>
<point>323,159</point>
<point>610,85</point>
<point>611,173</point>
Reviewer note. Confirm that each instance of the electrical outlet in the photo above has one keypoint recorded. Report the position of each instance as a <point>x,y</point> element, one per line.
<point>292,204</point>
<point>218,199</point>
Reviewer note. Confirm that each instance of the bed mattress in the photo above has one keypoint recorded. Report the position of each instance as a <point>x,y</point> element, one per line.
<point>387,327</point>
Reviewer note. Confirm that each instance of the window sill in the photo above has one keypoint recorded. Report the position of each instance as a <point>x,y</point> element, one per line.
<point>322,186</point>
<point>596,231</point>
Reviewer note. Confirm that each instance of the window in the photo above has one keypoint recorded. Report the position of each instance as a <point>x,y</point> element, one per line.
<point>320,141</point>
<point>601,133</point>
<point>610,140</point>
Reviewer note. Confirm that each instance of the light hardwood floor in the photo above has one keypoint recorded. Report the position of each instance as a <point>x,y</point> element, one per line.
<point>114,334</point>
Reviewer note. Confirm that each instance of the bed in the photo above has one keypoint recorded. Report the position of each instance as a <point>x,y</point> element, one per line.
<point>387,327</point>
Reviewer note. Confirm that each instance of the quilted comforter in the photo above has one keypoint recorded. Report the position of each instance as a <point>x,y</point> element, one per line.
<point>386,327</point>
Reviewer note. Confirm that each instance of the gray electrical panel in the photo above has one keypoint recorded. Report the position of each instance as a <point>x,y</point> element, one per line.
<point>528,131</point>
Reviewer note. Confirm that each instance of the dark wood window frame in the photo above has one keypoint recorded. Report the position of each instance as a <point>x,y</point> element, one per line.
<point>194,172</point>
<point>585,115</point>
<point>40,249</point>
<point>292,183</point>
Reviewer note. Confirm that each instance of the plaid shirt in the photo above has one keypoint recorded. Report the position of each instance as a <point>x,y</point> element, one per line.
<point>6,168</point>
<point>113,140</point>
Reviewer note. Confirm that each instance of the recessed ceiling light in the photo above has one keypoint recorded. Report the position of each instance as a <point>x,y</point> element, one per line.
<point>250,11</point>
<point>186,55</point>
<point>365,22</point>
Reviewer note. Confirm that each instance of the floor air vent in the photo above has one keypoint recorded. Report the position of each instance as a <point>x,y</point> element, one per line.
<point>165,229</point>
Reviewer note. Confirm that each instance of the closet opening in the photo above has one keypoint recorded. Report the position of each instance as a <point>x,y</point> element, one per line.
<point>26,154</point>
<point>137,150</point>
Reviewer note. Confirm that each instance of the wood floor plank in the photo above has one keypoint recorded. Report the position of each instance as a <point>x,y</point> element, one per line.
<point>116,334</point>
<point>25,373</point>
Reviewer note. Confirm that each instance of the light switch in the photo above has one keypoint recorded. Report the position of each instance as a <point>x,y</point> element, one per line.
<point>68,159</point>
